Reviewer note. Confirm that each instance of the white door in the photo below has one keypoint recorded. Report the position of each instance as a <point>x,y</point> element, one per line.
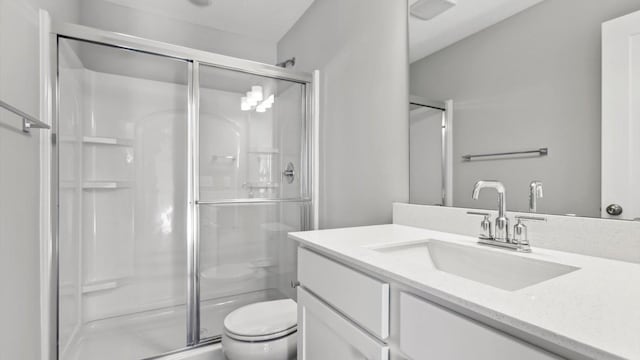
<point>324,334</point>
<point>621,117</point>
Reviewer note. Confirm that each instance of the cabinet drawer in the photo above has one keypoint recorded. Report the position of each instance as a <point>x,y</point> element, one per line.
<point>361,298</point>
<point>324,334</point>
<point>428,331</point>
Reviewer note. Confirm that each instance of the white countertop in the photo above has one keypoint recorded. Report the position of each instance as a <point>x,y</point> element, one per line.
<point>594,311</point>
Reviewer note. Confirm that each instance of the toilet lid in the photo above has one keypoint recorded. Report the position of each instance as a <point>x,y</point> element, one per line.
<point>263,319</point>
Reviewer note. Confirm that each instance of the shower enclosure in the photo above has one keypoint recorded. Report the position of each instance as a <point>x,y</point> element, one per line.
<point>178,174</point>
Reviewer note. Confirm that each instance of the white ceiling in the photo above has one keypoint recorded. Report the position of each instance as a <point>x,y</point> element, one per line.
<point>265,20</point>
<point>270,20</point>
<point>464,19</point>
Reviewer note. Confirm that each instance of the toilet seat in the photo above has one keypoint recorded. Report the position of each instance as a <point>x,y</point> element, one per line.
<point>267,337</point>
<point>263,321</point>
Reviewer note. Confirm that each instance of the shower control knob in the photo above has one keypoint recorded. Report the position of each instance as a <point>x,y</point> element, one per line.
<point>614,210</point>
<point>289,173</point>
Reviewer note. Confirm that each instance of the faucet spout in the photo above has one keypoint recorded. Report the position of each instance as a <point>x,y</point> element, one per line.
<point>502,223</point>
<point>500,189</point>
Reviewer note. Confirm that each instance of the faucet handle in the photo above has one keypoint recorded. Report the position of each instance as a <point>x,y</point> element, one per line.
<point>487,227</point>
<point>478,213</point>
<point>520,233</point>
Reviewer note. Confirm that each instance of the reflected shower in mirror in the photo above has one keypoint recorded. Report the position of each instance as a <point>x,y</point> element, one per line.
<point>428,135</point>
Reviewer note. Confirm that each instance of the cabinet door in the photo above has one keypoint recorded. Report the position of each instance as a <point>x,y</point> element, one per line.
<point>428,332</point>
<point>324,334</point>
<point>361,298</point>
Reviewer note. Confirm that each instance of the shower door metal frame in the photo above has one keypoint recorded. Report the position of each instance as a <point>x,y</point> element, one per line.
<point>194,59</point>
<point>444,168</point>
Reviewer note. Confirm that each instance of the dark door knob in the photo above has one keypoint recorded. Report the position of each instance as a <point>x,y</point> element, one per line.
<point>614,209</point>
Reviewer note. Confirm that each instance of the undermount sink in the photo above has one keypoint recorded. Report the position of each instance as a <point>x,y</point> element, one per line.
<point>495,268</point>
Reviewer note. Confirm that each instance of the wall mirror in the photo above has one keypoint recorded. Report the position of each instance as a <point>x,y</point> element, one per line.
<point>497,95</point>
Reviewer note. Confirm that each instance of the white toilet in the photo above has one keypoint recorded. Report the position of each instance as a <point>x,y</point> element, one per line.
<point>261,331</point>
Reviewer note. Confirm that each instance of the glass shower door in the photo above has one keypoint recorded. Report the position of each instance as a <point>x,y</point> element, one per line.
<point>122,146</point>
<point>426,153</point>
<point>253,189</point>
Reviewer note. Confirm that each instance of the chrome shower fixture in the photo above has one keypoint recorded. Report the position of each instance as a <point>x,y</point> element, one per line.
<point>286,63</point>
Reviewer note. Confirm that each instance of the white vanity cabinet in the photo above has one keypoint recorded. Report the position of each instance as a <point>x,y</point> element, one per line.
<point>345,314</point>
<point>428,331</point>
<point>325,334</point>
<point>342,313</point>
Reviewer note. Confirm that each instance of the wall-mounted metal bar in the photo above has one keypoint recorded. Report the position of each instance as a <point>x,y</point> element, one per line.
<point>28,121</point>
<point>253,201</point>
<point>539,152</point>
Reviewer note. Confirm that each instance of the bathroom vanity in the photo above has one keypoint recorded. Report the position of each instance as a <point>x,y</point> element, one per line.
<point>403,292</point>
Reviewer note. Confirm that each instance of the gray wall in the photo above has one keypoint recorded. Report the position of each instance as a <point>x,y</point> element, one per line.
<point>530,81</point>
<point>112,17</point>
<point>19,176</point>
<point>360,47</point>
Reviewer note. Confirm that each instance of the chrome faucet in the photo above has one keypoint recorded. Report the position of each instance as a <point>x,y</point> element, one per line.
<point>502,232</point>
<point>535,193</point>
<point>502,237</point>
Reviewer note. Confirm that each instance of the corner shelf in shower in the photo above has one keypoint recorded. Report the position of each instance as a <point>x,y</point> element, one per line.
<point>99,286</point>
<point>264,151</point>
<point>96,185</point>
<point>105,185</point>
<point>225,158</point>
<point>99,140</point>
<point>259,185</point>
